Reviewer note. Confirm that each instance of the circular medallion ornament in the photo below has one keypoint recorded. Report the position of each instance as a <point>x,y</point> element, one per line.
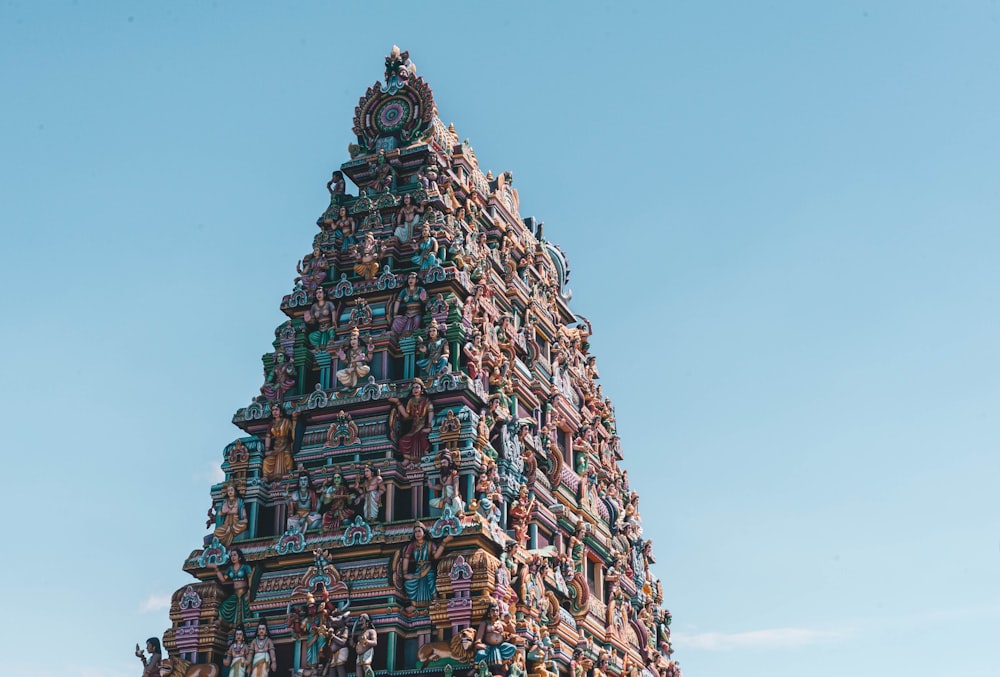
<point>392,115</point>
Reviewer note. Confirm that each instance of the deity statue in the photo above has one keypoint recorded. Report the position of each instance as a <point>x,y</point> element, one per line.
<point>303,504</point>
<point>427,250</point>
<point>312,269</point>
<point>385,173</point>
<point>580,665</point>
<point>532,584</point>
<point>448,483</point>
<point>322,315</point>
<point>343,230</point>
<point>420,414</point>
<point>520,518</point>
<point>264,659</point>
<point>421,583</point>
<point>492,646</point>
<point>411,300</point>
<point>578,547</point>
<point>278,445</point>
<point>151,665</point>
<point>279,380</point>
<point>355,359</point>
<point>407,218</point>
<point>338,638</point>
<point>370,489</point>
<point>365,645</point>
<point>436,353</point>
<point>231,516</point>
<point>235,609</point>
<point>361,314</point>
<point>237,657</point>
<point>367,254</point>
<point>336,186</point>
<point>473,352</point>
<point>333,506</point>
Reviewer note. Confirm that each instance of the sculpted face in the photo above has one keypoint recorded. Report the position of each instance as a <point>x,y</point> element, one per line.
<point>303,482</point>
<point>231,491</point>
<point>261,631</point>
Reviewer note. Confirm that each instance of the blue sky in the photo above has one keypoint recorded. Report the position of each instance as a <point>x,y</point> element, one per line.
<point>781,217</point>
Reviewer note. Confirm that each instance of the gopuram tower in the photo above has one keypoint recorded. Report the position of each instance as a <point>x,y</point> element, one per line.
<point>430,479</point>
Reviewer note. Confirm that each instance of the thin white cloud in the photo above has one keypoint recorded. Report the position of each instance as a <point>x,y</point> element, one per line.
<point>214,473</point>
<point>155,602</point>
<point>775,638</point>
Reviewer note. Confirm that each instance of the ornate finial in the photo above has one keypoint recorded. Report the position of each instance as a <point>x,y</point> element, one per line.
<point>398,69</point>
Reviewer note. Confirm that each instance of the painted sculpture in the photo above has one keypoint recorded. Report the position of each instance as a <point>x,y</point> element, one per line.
<point>431,468</point>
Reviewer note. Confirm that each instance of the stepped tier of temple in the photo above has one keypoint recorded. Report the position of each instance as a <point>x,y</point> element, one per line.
<point>430,478</point>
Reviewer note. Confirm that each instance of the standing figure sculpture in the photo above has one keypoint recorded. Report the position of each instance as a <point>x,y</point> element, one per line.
<point>264,659</point>
<point>151,665</point>
<point>411,301</point>
<point>420,414</point>
<point>355,359</point>
<point>323,316</point>
<point>235,609</point>
<point>370,488</point>
<point>238,655</point>
<point>365,645</point>
<point>435,351</point>
<point>278,445</point>
<point>421,583</point>
<point>231,517</point>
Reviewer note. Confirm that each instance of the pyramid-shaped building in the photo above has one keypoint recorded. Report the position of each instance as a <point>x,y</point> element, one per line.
<point>430,479</point>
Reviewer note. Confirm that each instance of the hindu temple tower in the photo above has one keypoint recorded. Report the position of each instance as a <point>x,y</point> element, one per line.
<point>430,478</point>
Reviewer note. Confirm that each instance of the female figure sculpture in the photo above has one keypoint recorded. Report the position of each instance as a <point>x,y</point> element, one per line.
<point>355,358</point>
<point>322,315</point>
<point>151,665</point>
<point>407,217</point>
<point>333,506</point>
<point>312,270</point>
<point>231,517</point>
<point>420,414</point>
<point>473,352</point>
<point>344,229</point>
<point>427,250</point>
<point>278,445</point>
<point>421,583</point>
<point>280,379</point>
<point>411,300</point>
<point>235,609</point>
<point>435,351</point>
